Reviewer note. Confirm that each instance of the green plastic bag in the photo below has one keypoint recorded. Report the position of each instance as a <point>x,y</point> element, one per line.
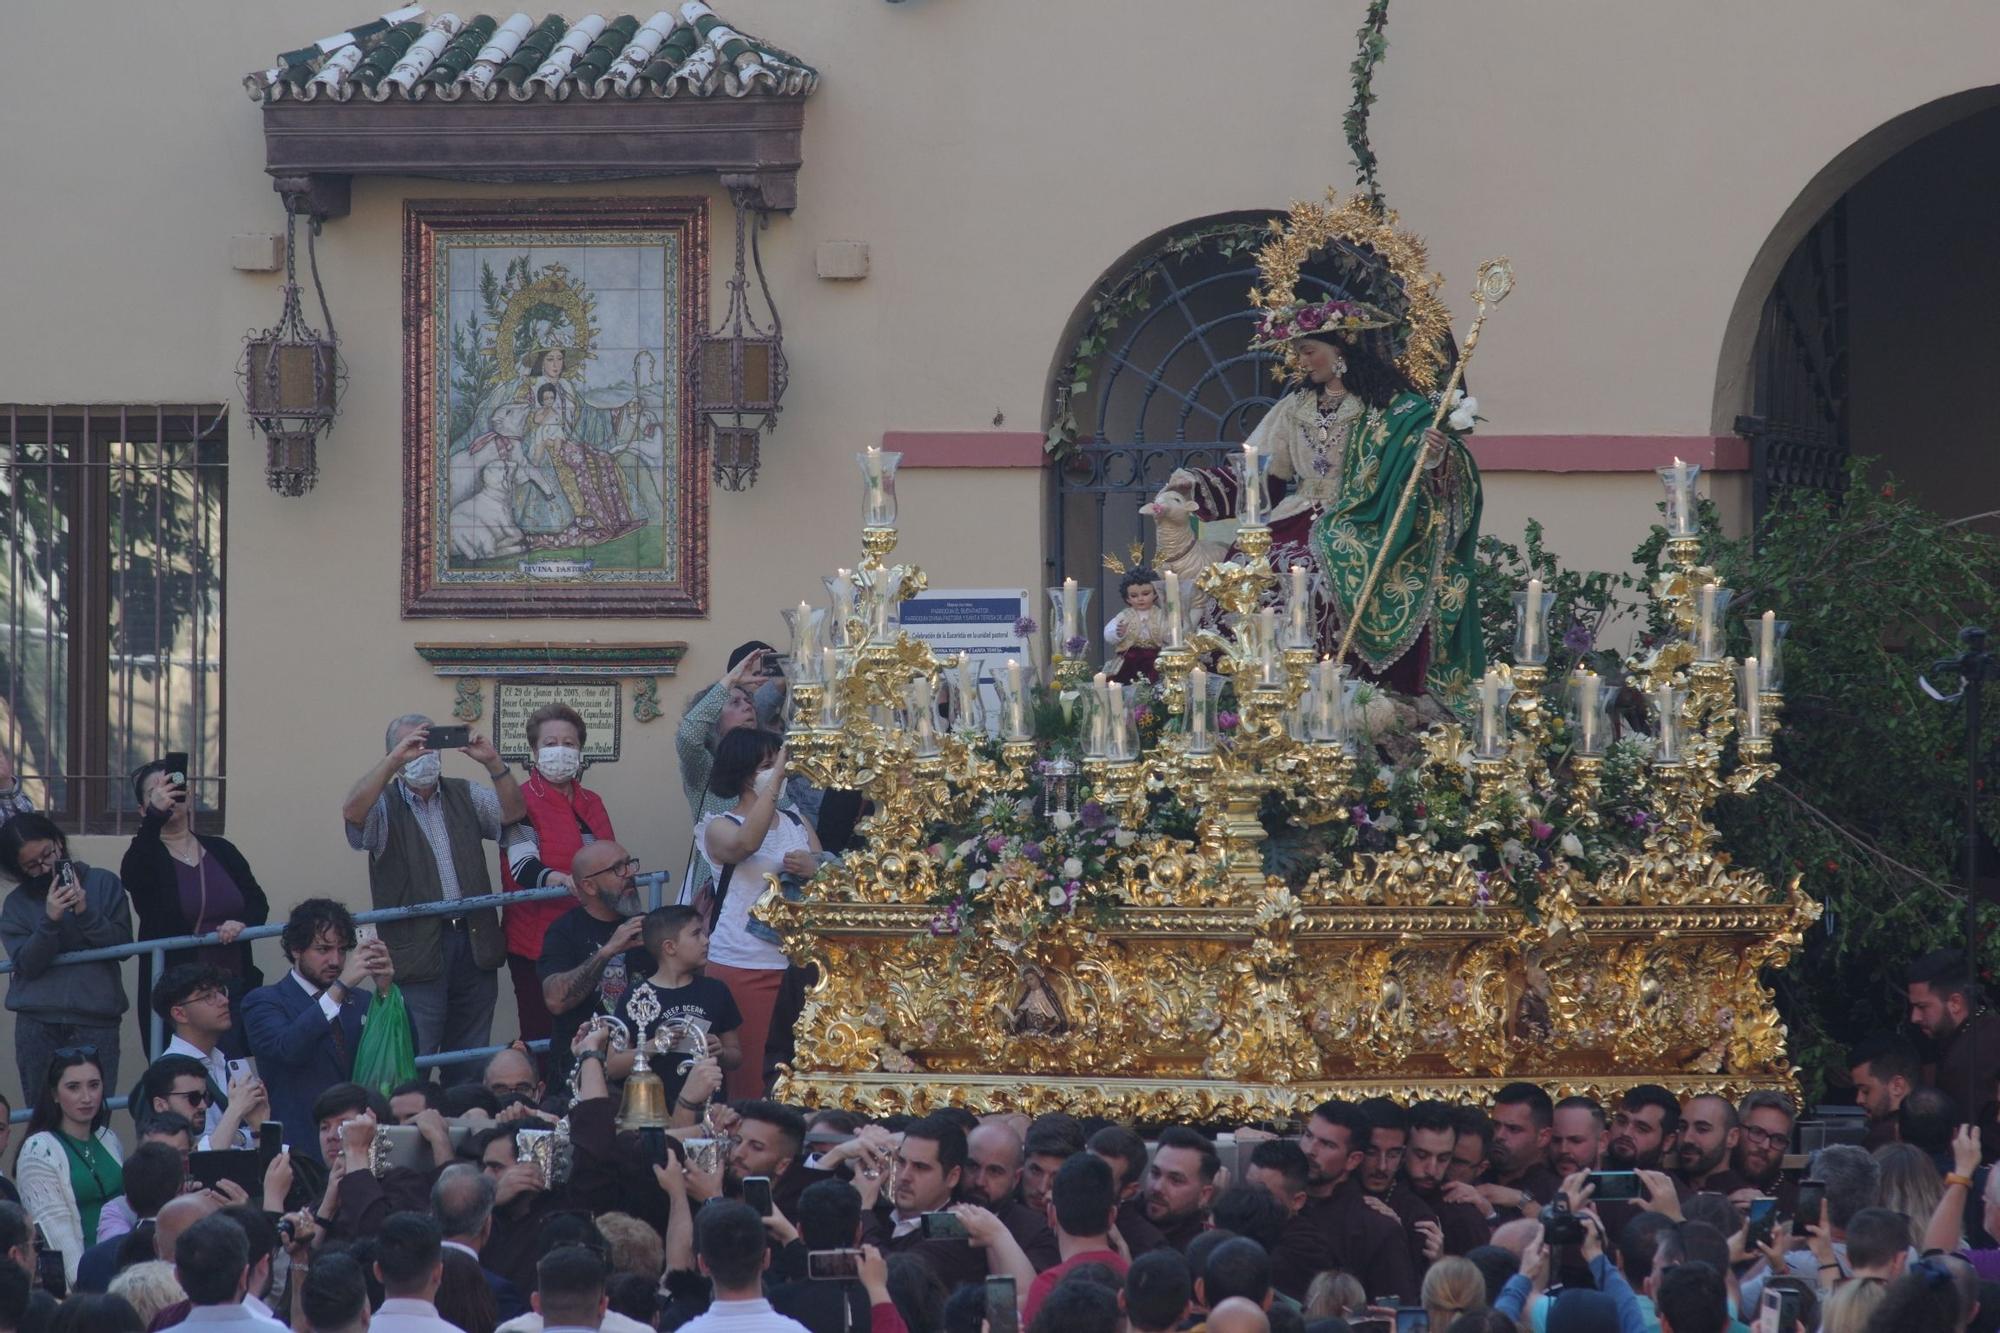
<point>387,1055</point>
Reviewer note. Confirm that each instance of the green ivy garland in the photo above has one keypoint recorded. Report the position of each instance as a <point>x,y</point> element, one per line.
<point>1372,47</point>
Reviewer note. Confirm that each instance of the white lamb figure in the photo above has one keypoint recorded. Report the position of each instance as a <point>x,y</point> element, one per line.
<point>1175,547</point>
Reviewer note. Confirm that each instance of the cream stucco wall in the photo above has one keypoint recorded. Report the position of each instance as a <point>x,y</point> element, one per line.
<point>1633,159</point>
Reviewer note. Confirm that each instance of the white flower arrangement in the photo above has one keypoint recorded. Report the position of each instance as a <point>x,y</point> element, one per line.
<point>1464,411</point>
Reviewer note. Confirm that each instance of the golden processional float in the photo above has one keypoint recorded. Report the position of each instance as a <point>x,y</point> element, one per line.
<point>1066,902</point>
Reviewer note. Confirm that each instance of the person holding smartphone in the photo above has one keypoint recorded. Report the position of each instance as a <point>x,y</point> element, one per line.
<point>60,906</point>
<point>188,883</point>
<point>425,836</point>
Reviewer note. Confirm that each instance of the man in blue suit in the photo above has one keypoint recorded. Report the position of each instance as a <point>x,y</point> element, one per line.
<point>304,1028</point>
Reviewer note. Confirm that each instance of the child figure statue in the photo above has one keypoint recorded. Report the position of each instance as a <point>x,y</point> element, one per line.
<point>1137,633</point>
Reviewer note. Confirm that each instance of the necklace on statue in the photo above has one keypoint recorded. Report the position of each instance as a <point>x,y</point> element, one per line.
<point>1327,410</point>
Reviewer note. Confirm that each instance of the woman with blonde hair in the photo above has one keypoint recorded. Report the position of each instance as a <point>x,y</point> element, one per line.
<point>1453,1287</point>
<point>149,1288</point>
<point>1334,1293</point>
<point>1910,1185</point>
<point>1851,1306</point>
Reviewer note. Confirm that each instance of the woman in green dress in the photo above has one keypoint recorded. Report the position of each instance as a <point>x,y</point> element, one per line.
<point>72,1164</point>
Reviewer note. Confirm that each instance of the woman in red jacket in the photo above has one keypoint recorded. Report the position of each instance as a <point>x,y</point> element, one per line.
<point>563,815</point>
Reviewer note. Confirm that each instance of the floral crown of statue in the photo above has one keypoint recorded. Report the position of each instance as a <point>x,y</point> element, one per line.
<point>1308,319</point>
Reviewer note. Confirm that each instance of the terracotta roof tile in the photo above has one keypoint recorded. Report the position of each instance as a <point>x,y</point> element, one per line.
<point>416,53</point>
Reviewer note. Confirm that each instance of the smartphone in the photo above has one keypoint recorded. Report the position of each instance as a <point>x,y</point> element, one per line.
<point>757,1193</point>
<point>177,770</point>
<point>1762,1221</point>
<point>366,933</point>
<point>50,1275</point>
<point>270,1141</point>
<point>1003,1312</point>
<point>244,1068</point>
<point>238,1164</point>
<point>1615,1186</point>
<point>1806,1212</point>
<point>941,1226</point>
<point>452,736</point>
<point>1412,1319</point>
<point>833,1265</point>
<point>1778,1312</point>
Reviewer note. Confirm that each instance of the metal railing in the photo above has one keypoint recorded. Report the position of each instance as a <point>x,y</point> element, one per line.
<point>654,881</point>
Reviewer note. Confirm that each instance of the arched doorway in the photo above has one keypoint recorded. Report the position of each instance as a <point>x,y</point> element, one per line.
<point>1156,373</point>
<point>1863,328</point>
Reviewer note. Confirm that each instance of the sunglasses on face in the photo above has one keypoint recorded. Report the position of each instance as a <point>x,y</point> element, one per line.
<point>199,1097</point>
<point>76,1053</point>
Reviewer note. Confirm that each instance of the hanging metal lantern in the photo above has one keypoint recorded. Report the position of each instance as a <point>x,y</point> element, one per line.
<point>738,371</point>
<point>292,376</point>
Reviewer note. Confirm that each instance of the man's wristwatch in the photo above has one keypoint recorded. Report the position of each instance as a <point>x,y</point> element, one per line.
<point>591,1053</point>
<point>504,771</point>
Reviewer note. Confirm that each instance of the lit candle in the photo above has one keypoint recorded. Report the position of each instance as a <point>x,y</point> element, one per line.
<point>1017,704</point>
<point>1704,630</point>
<point>1668,748</point>
<point>1252,491</point>
<point>1753,715</point>
<point>968,691</point>
<point>1680,480</point>
<point>876,509</point>
<point>1173,609</point>
<point>829,665</point>
<point>1326,692</point>
<point>1301,636</point>
<point>1115,697</point>
<point>1767,648</point>
<point>1197,688</point>
<point>1586,713</point>
<point>1489,714</point>
<point>1531,624</point>
<point>1267,645</point>
<point>1071,615</point>
<point>921,704</point>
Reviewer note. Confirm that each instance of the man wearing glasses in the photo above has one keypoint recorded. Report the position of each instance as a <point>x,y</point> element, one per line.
<point>194,1001</point>
<point>596,951</point>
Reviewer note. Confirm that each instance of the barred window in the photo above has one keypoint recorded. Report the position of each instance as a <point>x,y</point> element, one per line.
<point>112,584</point>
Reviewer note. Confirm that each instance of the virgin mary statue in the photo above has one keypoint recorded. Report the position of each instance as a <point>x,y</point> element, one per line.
<point>1341,446</point>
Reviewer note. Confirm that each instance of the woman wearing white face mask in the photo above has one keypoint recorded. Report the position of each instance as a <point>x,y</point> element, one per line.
<point>563,815</point>
<point>752,839</point>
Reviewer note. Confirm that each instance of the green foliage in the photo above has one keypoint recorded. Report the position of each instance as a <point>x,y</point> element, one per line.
<point>1868,807</point>
<point>1373,46</point>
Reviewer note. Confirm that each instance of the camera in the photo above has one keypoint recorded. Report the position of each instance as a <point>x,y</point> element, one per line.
<point>1559,1225</point>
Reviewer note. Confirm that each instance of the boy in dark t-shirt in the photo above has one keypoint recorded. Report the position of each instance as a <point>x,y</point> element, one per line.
<point>675,998</point>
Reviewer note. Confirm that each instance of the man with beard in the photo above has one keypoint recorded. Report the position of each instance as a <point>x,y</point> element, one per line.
<point>930,1165</point>
<point>1279,1168</point>
<point>1645,1132</point>
<point>1709,1135</point>
<point>594,952</point>
<point>1383,1185</point>
<point>1765,1123</point>
<point>1884,1071</point>
<point>993,1180</point>
<point>1460,1208</point>
<point>1180,1184</point>
<point>1519,1180</point>
<point>1577,1141</point>
<point>1947,1007</point>
<point>1371,1247</point>
<point>1125,1152</point>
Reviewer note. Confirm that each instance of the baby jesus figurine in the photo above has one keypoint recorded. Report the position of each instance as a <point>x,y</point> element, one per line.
<point>1137,633</point>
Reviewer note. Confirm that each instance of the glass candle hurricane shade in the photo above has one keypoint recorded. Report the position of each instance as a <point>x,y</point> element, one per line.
<point>878,487</point>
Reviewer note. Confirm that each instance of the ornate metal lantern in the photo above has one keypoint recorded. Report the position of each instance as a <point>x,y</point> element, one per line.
<point>292,376</point>
<point>738,370</point>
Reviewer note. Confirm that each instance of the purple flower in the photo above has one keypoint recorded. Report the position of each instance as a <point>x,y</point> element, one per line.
<point>1091,816</point>
<point>1032,850</point>
<point>1638,819</point>
<point>1578,638</point>
<point>994,843</point>
<point>1142,715</point>
<point>1226,720</point>
<point>1311,317</point>
<point>1024,627</point>
<point>1074,645</point>
<point>1540,830</point>
<point>1359,814</point>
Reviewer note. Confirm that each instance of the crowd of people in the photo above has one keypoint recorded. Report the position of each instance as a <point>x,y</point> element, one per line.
<point>449,1204</point>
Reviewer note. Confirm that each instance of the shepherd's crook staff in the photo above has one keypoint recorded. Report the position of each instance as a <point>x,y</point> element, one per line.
<point>1496,279</point>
